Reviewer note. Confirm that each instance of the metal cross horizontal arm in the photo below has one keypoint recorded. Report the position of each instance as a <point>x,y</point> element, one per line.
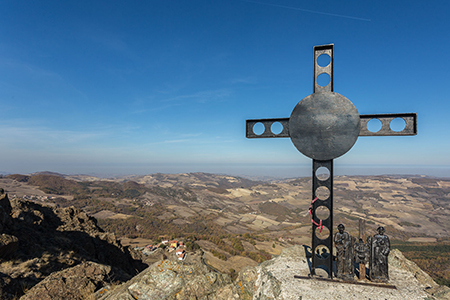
<point>268,133</point>
<point>386,119</point>
<point>385,130</point>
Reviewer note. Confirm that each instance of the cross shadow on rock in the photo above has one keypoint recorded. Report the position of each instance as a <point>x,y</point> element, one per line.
<point>308,253</point>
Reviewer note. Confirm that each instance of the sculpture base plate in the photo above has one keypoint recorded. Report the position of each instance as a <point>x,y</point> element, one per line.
<point>387,286</point>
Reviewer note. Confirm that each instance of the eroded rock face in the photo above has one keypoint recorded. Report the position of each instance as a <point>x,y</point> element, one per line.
<point>39,240</point>
<point>171,280</point>
<point>75,283</point>
<point>69,236</point>
<point>5,211</point>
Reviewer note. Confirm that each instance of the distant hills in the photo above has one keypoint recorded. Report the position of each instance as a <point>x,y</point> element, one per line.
<point>260,214</point>
<point>411,206</point>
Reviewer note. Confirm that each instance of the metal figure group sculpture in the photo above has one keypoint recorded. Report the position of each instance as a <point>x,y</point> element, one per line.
<point>374,253</point>
<point>379,251</point>
<point>345,253</point>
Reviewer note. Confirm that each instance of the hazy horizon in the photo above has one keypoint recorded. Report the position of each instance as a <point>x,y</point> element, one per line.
<point>269,171</point>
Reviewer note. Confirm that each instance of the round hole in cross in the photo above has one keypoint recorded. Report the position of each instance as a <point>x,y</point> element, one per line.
<point>322,252</point>
<point>258,128</point>
<point>276,128</point>
<point>397,124</point>
<point>321,271</point>
<point>322,173</point>
<point>322,212</point>
<point>323,79</point>
<point>322,235</point>
<point>323,60</point>
<point>322,193</point>
<point>374,125</point>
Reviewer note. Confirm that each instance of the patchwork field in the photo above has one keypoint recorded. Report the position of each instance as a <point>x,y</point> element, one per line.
<point>411,208</point>
<point>260,217</point>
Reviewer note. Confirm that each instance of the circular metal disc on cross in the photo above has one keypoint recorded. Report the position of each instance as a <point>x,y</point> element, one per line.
<point>324,125</point>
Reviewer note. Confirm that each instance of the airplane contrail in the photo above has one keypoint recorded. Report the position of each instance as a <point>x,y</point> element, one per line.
<point>308,10</point>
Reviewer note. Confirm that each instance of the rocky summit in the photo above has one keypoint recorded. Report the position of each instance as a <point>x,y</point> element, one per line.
<point>63,248</point>
<point>60,253</point>
<point>274,279</point>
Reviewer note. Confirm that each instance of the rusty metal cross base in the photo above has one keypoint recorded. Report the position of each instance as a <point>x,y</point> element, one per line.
<point>382,285</point>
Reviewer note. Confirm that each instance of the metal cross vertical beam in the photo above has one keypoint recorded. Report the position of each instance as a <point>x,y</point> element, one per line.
<point>324,126</point>
<point>322,242</point>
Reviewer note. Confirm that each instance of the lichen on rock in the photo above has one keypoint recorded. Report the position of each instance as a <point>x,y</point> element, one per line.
<point>170,279</point>
<point>76,283</point>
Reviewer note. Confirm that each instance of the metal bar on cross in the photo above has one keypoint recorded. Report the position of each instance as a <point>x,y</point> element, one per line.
<point>362,236</point>
<point>324,126</point>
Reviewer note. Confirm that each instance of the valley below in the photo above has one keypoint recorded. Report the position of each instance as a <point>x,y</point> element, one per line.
<point>239,222</point>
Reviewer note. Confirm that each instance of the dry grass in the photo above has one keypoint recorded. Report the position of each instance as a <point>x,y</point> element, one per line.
<point>422,240</point>
<point>235,262</point>
<point>268,247</point>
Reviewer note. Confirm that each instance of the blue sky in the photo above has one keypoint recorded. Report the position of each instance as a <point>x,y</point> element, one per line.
<point>137,87</point>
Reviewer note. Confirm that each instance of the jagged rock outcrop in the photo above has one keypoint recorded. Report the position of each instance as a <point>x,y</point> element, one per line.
<point>39,240</point>
<point>8,243</point>
<point>273,279</point>
<point>5,210</point>
<point>76,283</point>
<point>170,279</point>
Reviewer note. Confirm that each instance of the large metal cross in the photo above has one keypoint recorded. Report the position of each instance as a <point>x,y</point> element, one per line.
<point>324,126</point>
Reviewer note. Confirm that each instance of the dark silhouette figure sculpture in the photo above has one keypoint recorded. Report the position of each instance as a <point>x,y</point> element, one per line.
<point>325,253</point>
<point>322,255</point>
<point>379,251</point>
<point>344,248</point>
<point>362,254</point>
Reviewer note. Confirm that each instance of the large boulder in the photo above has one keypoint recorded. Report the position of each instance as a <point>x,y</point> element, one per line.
<point>76,283</point>
<point>170,279</point>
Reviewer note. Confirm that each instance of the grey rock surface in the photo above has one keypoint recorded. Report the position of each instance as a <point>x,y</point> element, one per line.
<point>274,279</point>
<point>75,283</point>
<point>169,279</point>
